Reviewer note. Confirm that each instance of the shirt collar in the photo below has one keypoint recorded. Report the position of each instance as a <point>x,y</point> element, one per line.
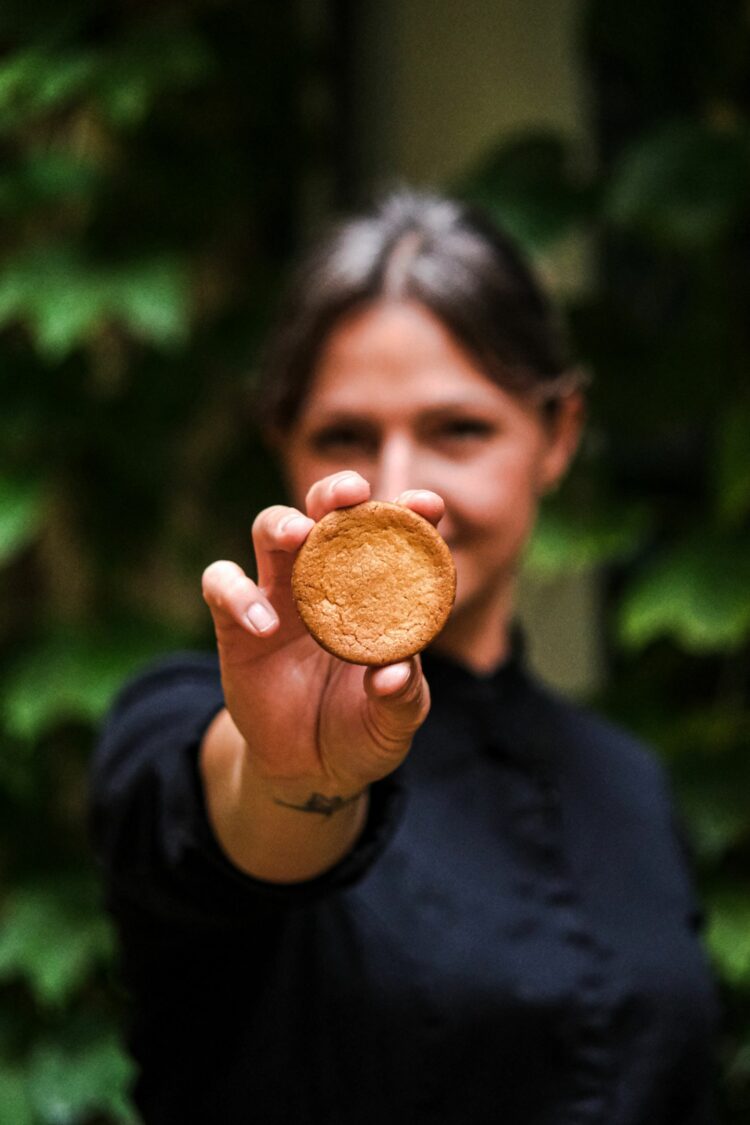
<point>505,714</point>
<point>462,682</point>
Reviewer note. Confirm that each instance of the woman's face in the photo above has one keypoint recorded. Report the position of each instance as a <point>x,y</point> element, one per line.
<point>396,398</point>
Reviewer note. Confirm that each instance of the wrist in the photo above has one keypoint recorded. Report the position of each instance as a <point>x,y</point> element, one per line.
<point>321,795</point>
<point>322,792</point>
<point>277,829</point>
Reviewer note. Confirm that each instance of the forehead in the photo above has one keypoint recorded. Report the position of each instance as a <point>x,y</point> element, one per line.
<point>395,351</point>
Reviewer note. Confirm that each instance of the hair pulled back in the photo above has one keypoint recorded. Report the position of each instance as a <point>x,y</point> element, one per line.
<point>441,253</point>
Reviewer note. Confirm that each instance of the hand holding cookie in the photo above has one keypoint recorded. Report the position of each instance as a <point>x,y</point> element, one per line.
<point>374,584</point>
<point>312,721</point>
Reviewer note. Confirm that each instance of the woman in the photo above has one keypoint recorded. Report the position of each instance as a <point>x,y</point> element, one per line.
<point>431,891</point>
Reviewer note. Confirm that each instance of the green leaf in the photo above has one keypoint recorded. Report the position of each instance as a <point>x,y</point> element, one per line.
<point>698,594</point>
<point>15,1106</point>
<point>67,1085</point>
<point>738,1065</point>
<point>65,300</point>
<point>729,934</point>
<point>21,512</point>
<point>151,297</point>
<point>51,936</point>
<point>37,80</point>
<point>151,61</point>
<point>732,464</point>
<point>74,676</point>
<point>715,811</point>
<point>47,177</point>
<point>568,543</point>
<point>124,80</point>
<point>684,183</point>
<point>531,187</point>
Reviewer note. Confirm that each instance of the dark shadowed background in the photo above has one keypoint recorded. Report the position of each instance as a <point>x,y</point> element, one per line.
<point>160,164</point>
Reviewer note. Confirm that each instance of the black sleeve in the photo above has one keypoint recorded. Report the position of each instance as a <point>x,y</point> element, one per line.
<point>149,822</point>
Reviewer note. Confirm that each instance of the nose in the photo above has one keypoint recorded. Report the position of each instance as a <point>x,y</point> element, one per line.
<point>396,468</point>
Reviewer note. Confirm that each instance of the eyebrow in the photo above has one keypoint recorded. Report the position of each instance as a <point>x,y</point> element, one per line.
<point>352,415</point>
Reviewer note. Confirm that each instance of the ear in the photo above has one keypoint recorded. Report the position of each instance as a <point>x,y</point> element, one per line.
<point>563,436</point>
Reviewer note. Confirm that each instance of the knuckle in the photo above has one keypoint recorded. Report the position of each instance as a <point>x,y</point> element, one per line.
<point>322,489</point>
<point>234,585</point>
<point>221,582</point>
<point>311,494</point>
<point>267,521</point>
<point>211,579</point>
<point>344,474</point>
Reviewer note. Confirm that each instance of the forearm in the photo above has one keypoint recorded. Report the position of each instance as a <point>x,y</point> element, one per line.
<point>279,833</point>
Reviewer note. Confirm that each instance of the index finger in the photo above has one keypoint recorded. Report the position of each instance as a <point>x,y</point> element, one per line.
<point>337,491</point>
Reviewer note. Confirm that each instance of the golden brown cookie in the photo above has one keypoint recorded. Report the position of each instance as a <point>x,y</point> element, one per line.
<point>374,583</point>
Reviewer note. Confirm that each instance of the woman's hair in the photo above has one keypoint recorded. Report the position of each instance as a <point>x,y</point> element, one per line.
<point>441,253</point>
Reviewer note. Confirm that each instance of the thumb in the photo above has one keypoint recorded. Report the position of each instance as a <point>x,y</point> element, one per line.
<point>399,699</point>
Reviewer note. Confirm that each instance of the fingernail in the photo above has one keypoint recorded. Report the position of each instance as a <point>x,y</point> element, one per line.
<point>399,677</point>
<point>414,494</point>
<point>259,618</point>
<point>344,479</point>
<point>295,523</point>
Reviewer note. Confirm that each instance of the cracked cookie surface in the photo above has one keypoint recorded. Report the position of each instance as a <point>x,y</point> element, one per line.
<point>374,583</point>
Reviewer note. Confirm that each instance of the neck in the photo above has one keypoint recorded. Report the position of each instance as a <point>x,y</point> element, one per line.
<point>478,635</point>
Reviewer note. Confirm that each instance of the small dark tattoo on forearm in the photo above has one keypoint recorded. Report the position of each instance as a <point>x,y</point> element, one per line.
<point>318,803</point>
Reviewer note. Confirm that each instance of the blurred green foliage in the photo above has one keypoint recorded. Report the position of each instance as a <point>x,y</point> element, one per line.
<point>660,497</point>
<point>157,160</point>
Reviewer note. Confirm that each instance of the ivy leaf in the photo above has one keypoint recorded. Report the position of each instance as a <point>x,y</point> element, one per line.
<point>531,189</point>
<point>568,543</point>
<point>65,299</point>
<point>69,1084</point>
<point>715,808</point>
<point>21,511</point>
<point>732,464</point>
<point>148,63</point>
<point>152,298</point>
<point>728,934</point>
<point>39,79</point>
<point>46,177</point>
<point>124,80</point>
<point>738,1065</point>
<point>51,937</point>
<point>716,826</point>
<point>684,183</point>
<point>74,676</point>
<point>698,594</point>
<point>15,1106</point>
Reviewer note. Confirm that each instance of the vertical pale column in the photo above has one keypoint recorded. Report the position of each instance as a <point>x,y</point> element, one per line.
<point>462,75</point>
<point>437,84</point>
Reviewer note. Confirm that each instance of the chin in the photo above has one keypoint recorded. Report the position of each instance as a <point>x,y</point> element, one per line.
<point>476,591</point>
<point>468,592</point>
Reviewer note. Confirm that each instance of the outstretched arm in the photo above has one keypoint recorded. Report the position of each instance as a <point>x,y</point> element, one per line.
<point>287,766</point>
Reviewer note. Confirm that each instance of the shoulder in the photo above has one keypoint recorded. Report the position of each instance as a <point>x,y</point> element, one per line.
<point>186,671</point>
<point>172,699</point>
<point>596,751</point>
<point>618,809</point>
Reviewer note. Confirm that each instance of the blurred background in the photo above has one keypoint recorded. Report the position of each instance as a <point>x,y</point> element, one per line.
<point>161,165</point>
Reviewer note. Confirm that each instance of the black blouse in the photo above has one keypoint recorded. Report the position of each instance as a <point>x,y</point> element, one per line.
<point>512,940</point>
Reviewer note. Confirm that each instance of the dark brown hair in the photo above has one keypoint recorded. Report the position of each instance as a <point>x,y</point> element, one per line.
<point>439,252</point>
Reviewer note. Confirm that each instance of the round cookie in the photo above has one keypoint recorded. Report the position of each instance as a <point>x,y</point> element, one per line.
<point>374,583</point>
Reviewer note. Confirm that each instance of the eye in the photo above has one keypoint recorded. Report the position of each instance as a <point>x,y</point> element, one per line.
<point>341,438</point>
<point>463,430</point>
